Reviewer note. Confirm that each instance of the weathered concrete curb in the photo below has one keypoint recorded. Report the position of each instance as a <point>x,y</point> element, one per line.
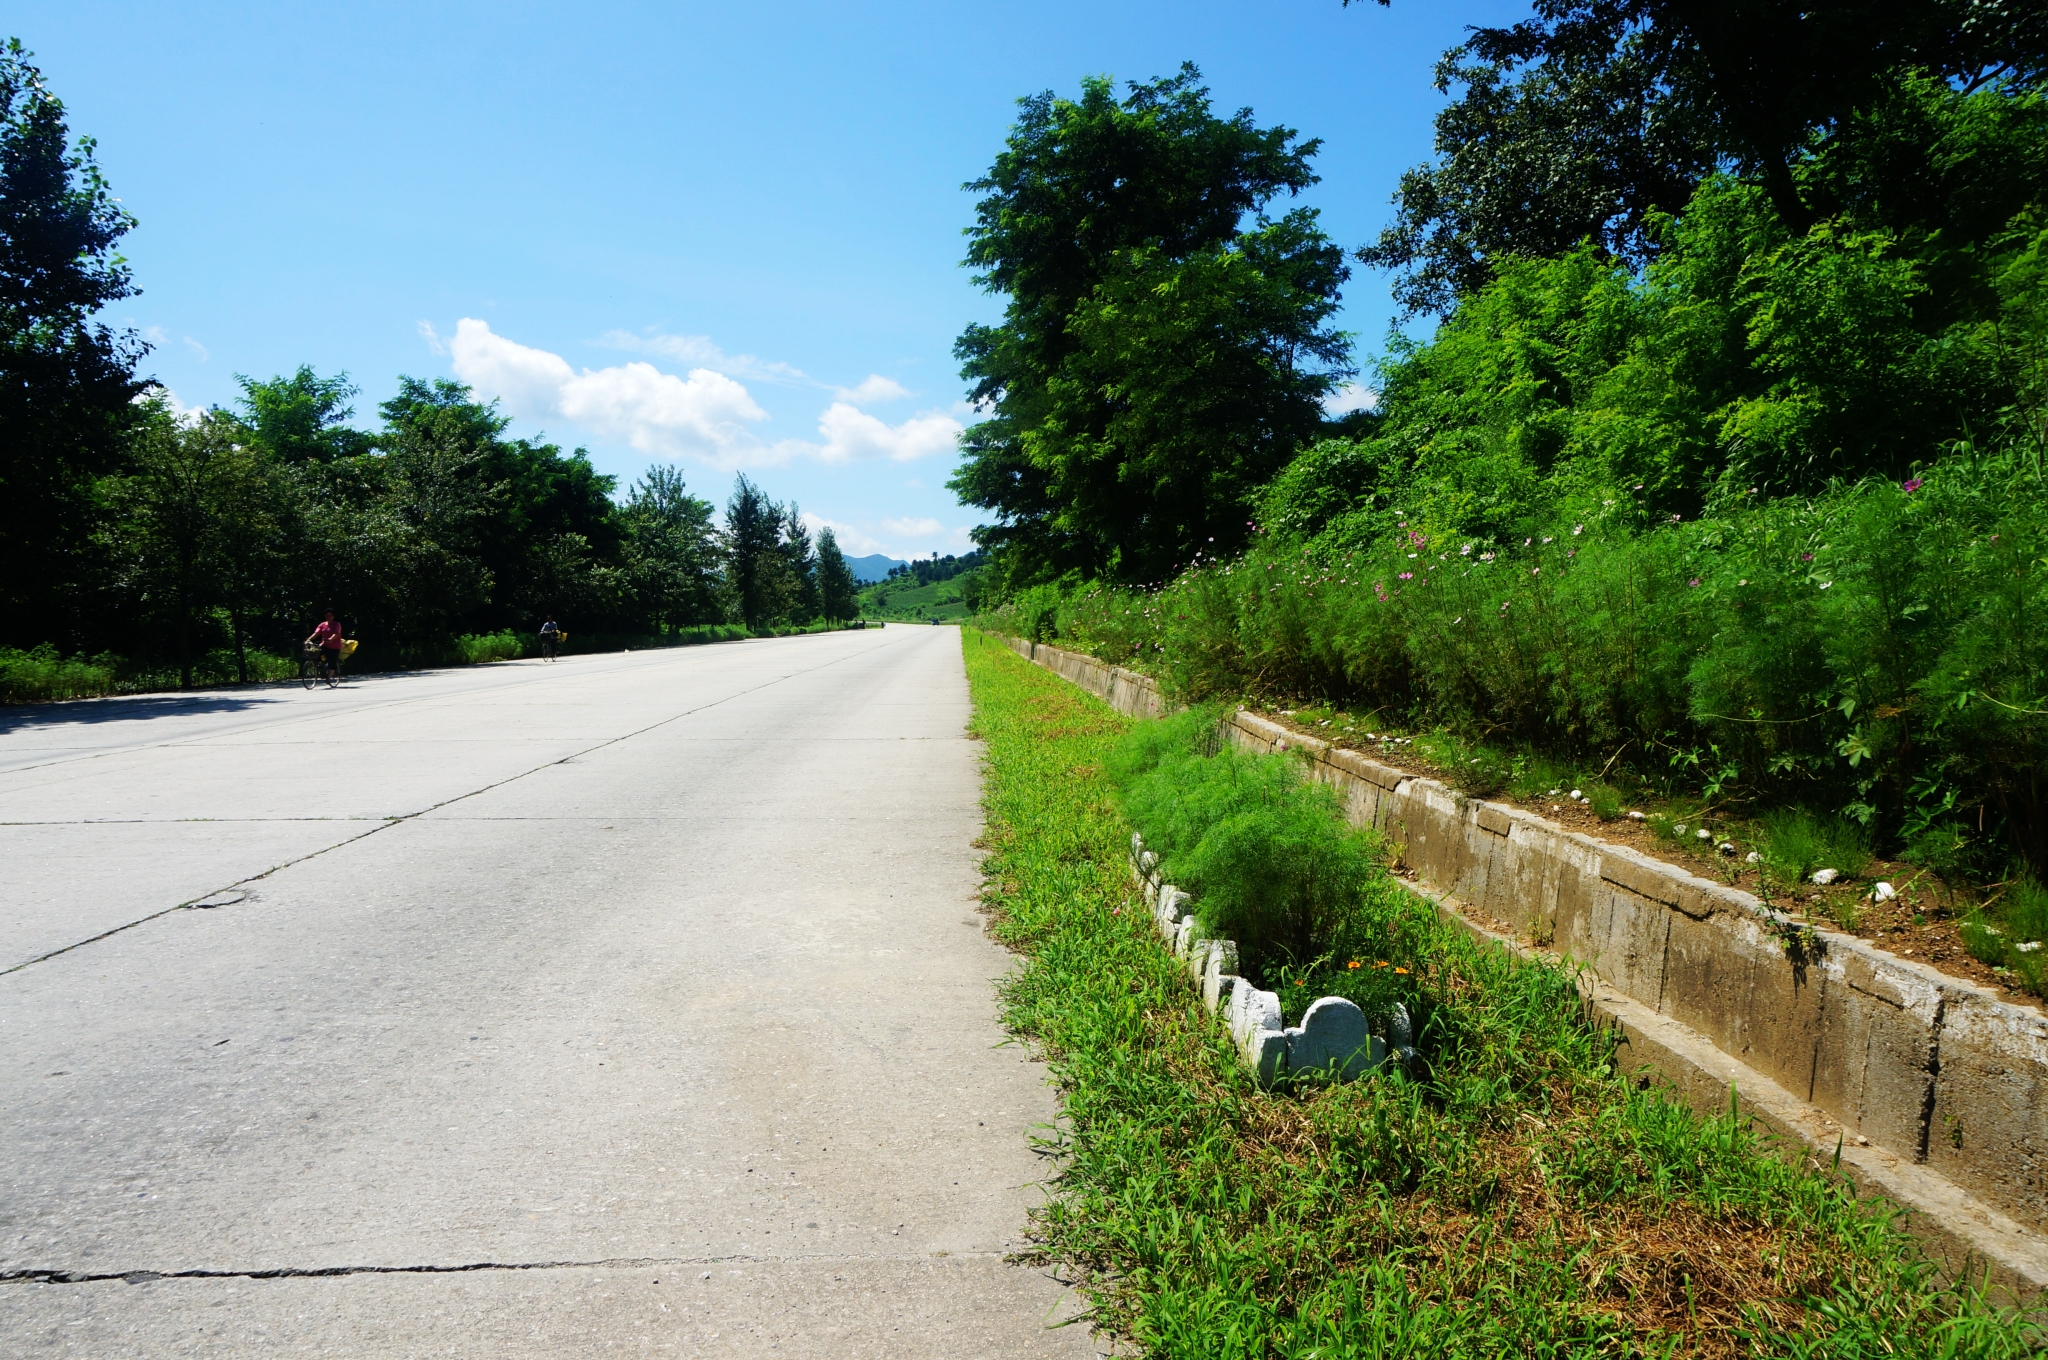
<point>1334,1035</point>
<point>1932,1086</point>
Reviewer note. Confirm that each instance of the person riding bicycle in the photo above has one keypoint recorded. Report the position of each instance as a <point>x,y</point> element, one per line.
<point>550,636</point>
<point>327,637</point>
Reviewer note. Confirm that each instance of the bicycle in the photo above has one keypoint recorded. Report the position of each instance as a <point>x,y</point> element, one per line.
<point>315,666</point>
<point>550,646</point>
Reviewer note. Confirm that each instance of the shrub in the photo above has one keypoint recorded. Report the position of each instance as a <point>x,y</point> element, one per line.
<point>41,676</point>
<point>476,648</point>
<point>1270,861</point>
<point>1879,650</point>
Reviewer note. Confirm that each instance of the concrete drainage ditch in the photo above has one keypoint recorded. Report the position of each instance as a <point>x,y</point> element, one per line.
<point>1334,1035</point>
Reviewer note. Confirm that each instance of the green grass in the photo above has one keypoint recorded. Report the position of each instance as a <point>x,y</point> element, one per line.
<point>2011,933</point>
<point>1519,1197</point>
<point>1794,844</point>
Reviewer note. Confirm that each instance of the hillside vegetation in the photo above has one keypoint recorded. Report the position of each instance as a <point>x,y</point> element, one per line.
<point>1726,475</point>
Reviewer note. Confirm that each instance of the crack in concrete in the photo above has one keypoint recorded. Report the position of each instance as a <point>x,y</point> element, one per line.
<point>35,1276</point>
<point>387,823</point>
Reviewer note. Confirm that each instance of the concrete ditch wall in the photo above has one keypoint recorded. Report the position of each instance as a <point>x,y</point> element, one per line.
<point>1937,1072</point>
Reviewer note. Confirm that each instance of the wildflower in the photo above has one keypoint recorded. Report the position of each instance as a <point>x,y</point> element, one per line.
<point>1301,982</point>
<point>1527,541</point>
<point>1466,551</point>
<point>1806,557</point>
<point>1381,964</point>
<point>1578,529</point>
<point>1503,606</point>
<point>1353,964</point>
<point>1573,553</point>
<point>1406,576</point>
<point>1743,582</point>
<point>1486,557</point>
<point>1694,581</point>
<point>1676,518</point>
<point>1548,539</point>
<point>1401,970</point>
<point>1825,584</point>
<point>1912,485</point>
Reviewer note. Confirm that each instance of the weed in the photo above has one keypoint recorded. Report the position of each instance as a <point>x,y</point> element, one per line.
<point>1796,843</point>
<point>1606,801</point>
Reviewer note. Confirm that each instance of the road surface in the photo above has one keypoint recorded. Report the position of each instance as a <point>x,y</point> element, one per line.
<point>634,1004</point>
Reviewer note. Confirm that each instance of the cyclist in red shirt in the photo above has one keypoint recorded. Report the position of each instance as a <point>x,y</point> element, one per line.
<point>327,637</point>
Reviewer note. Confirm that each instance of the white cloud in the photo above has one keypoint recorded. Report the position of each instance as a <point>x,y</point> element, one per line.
<point>853,541</point>
<point>155,335</point>
<point>198,349</point>
<point>1351,397</point>
<point>699,350</point>
<point>707,415</point>
<point>872,388</point>
<point>852,435</point>
<point>903,538</point>
<point>703,416</point>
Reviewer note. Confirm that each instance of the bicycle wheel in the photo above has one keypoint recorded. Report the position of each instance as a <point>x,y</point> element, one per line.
<point>309,670</point>
<point>330,671</point>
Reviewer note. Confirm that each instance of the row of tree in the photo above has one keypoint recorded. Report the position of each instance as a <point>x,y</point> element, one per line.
<point>181,541</point>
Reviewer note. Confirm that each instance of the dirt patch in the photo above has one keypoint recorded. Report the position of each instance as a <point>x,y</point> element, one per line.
<point>1919,924</point>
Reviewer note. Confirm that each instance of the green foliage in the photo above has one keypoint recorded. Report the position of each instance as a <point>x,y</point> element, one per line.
<point>40,676</point>
<point>304,418</point>
<point>2011,933</point>
<point>770,568</point>
<point>1269,862</point>
<point>838,592</point>
<point>66,381</point>
<point>1588,119</point>
<point>1501,1202</point>
<point>1880,650</point>
<point>1158,359</point>
<point>476,648</point>
<point>1794,843</point>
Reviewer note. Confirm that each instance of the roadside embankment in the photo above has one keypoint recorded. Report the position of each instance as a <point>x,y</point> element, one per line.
<point>1932,1088</point>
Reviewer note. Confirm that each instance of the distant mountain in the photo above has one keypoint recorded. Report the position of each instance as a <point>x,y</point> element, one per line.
<point>873,567</point>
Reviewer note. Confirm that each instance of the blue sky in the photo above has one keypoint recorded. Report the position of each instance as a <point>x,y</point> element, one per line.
<point>722,236</point>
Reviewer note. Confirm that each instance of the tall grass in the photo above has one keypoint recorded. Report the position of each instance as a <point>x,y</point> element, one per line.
<point>1879,652</point>
<point>1520,1196</point>
<point>473,649</point>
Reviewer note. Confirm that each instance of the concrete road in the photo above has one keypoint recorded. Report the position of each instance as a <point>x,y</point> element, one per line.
<point>633,1004</point>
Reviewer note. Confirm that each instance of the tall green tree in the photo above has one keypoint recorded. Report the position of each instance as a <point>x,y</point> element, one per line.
<point>805,603</point>
<point>757,570</point>
<point>1160,355</point>
<point>672,552</point>
<point>838,592</point>
<point>1586,120</point>
<point>196,529</point>
<point>304,417</point>
<point>67,383</point>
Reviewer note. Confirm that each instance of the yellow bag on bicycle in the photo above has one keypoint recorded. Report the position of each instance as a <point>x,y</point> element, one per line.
<point>348,648</point>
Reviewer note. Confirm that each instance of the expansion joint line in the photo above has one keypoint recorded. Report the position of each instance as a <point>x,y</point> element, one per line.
<point>203,901</point>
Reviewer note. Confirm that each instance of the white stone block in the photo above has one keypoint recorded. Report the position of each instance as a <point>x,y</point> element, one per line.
<point>1333,1038</point>
<point>1219,965</point>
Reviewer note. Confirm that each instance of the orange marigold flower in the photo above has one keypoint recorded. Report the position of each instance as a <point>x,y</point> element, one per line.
<point>1400,970</point>
<point>1352,964</point>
